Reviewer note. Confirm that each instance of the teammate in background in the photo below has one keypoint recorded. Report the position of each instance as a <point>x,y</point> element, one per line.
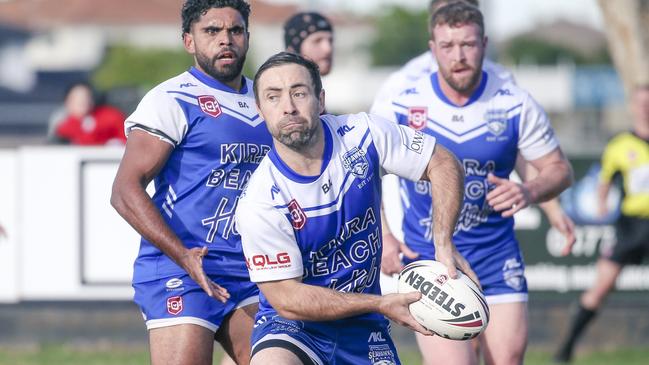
<point>486,121</point>
<point>422,66</point>
<point>626,154</point>
<point>310,226</point>
<point>310,35</point>
<point>199,136</point>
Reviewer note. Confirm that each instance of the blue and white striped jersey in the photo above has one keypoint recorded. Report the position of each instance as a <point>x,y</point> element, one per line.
<point>327,228</point>
<point>498,121</point>
<point>219,140</point>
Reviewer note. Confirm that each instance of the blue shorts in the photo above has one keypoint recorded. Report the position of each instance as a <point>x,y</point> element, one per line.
<point>179,300</point>
<point>335,343</point>
<point>500,269</point>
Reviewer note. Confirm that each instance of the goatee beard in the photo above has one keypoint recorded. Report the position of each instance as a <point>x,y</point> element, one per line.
<point>226,74</point>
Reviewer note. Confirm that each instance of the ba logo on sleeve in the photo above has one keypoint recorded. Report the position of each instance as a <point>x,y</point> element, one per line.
<point>417,117</point>
<point>209,105</point>
<point>355,161</point>
<point>175,305</point>
<point>298,218</point>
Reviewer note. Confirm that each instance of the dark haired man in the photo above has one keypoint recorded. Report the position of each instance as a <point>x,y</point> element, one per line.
<point>310,225</point>
<point>199,136</point>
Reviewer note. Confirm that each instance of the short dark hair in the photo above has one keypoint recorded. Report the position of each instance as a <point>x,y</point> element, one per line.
<point>455,14</point>
<point>193,9</point>
<point>285,58</point>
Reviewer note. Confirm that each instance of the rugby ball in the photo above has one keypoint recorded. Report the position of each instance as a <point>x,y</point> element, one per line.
<point>452,308</point>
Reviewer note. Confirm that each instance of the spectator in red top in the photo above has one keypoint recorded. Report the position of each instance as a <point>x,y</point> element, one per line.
<point>88,124</point>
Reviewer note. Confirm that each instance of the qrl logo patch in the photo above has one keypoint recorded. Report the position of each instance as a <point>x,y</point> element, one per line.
<point>209,105</point>
<point>298,218</point>
<point>175,305</point>
<point>417,117</point>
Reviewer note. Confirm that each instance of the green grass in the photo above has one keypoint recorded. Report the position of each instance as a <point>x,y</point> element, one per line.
<point>77,355</point>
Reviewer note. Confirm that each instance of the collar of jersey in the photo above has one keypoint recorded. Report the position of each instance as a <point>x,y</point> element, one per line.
<point>214,83</point>
<point>475,96</point>
<point>289,173</point>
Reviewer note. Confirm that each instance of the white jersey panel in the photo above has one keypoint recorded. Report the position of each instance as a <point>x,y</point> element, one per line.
<point>537,137</point>
<point>388,136</point>
<point>158,113</point>
<point>268,241</point>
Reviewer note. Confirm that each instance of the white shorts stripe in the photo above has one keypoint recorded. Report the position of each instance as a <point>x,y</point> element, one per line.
<point>506,298</point>
<point>249,300</point>
<point>168,322</point>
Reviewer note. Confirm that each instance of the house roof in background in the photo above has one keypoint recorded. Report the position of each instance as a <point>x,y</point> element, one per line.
<point>44,14</point>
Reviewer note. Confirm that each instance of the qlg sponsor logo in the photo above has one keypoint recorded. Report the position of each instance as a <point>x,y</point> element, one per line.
<point>264,262</point>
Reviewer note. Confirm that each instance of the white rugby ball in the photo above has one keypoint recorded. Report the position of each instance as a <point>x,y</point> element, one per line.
<point>452,308</point>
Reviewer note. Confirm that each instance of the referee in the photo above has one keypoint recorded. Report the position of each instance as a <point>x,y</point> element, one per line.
<point>627,154</point>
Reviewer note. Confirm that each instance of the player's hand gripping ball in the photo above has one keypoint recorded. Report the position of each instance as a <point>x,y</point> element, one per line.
<point>452,308</point>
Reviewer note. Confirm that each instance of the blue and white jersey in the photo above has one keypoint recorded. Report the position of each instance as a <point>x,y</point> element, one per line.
<point>400,81</point>
<point>219,140</point>
<point>499,121</point>
<point>327,228</point>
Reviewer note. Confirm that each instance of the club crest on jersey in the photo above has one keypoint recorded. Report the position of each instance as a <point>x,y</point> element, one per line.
<point>209,105</point>
<point>298,218</point>
<point>355,161</point>
<point>175,305</point>
<point>417,117</point>
<point>496,121</point>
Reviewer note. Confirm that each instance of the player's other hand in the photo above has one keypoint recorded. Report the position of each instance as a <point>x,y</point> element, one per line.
<point>448,255</point>
<point>507,196</point>
<point>390,260</point>
<point>395,307</point>
<point>192,262</point>
<point>562,223</point>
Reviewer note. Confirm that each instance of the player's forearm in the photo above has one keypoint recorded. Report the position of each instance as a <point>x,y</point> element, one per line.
<point>446,176</point>
<point>132,202</point>
<point>550,182</point>
<point>305,302</point>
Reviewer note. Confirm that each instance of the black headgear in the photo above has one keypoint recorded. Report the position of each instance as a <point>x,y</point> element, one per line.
<point>300,26</point>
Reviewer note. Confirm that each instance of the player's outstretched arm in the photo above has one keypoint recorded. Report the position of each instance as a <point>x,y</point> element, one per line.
<point>143,158</point>
<point>446,177</point>
<point>552,208</point>
<point>295,300</point>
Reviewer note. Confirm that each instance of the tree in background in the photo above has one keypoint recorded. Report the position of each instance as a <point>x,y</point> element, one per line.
<point>401,35</point>
<point>627,30</point>
<point>143,68</point>
<point>528,50</point>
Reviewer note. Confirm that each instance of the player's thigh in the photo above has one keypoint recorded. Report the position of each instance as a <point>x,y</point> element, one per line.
<point>505,339</point>
<point>436,350</point>
<point>275,355</point>
<point>183,344</point>
<point>235,331</point>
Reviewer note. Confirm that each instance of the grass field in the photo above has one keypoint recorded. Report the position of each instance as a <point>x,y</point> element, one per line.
<point>60,354</point>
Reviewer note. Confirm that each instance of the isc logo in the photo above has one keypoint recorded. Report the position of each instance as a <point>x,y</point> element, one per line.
<point>264,261</point>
